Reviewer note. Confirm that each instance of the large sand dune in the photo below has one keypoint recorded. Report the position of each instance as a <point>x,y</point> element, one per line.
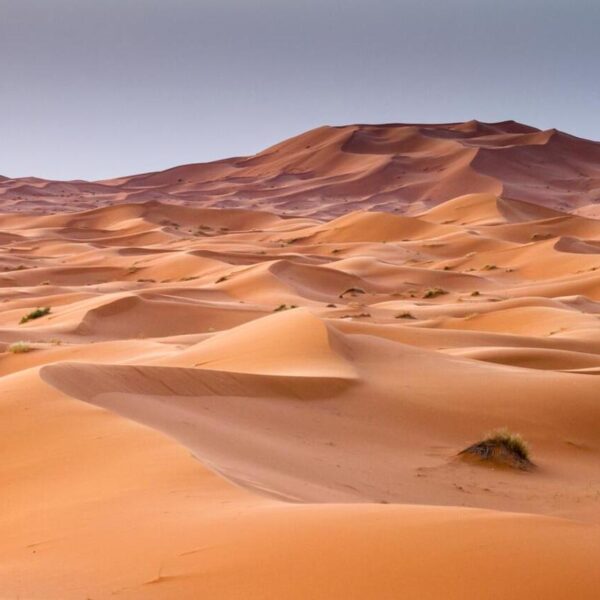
<point>268,400</point>
<point>332,171</point>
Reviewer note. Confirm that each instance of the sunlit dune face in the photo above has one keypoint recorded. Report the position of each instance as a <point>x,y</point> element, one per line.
<point>209,401</point>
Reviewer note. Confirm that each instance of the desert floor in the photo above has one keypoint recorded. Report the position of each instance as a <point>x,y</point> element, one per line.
<point>243,404</point>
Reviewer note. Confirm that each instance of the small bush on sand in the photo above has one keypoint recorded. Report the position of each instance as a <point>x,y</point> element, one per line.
<point>434,293</point>
<point>19,348</point>
<point>404,315</point>
<point>502,446</point>
<point>353,291</point>
<point>35,314</point>
<point>284,307</point>
<point>512,441</point>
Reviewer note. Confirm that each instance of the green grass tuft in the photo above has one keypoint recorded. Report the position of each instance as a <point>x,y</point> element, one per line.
<point>35,314</point>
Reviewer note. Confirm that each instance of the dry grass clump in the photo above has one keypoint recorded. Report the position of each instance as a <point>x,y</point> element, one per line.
<point>434,292</point>
<point>502,446</point>
<point>35,314</point>
<point>19,348</point>
<point>284,307</point>
<point>353,291</point>
<point>512,441</point>
<point>404,315</point>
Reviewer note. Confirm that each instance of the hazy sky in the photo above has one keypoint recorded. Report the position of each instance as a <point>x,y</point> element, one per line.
<point>99,88</point>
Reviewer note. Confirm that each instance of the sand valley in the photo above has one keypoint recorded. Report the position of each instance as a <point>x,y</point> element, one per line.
<point>256,376</point>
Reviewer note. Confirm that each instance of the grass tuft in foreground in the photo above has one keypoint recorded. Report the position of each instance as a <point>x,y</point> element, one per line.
<point>503,447</point>
<point>35,314</point>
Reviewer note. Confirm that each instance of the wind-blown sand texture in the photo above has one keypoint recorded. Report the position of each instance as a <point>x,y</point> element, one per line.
<point>269,401</point>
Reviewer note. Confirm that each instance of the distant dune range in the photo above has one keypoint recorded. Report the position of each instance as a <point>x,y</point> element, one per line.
<point>331,171</point>
<point>254,382</point>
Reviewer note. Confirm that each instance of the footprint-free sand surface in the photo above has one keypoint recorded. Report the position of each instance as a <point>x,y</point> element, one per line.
<point>249,386</point>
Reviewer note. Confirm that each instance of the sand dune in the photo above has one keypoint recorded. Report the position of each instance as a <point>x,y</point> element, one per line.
<point>255,382</point>
<point>332,171</point>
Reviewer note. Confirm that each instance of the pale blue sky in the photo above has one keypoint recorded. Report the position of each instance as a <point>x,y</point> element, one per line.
<point>100,88</point>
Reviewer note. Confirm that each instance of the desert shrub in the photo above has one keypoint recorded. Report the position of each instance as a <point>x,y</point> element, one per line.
<point>35,314</point>
<point>284,307</point>
<point>501,447</point>
<point>404,315</point>
<point>434,292</point>
<point>511,441</point>
<point>19,347</point>
<point>353,291</point>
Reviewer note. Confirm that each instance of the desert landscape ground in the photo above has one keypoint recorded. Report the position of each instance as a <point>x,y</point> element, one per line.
<point>254,378</point>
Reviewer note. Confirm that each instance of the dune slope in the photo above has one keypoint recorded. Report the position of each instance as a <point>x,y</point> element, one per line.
<point>249,380</point>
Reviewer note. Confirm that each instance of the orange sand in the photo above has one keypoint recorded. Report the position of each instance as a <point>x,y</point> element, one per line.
<point>176,430</point>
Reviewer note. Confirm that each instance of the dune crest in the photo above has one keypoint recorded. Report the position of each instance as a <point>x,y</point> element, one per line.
<point>248,375</point>
<point>331,171</point>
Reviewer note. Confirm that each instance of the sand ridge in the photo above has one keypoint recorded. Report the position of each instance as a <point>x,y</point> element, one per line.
<point>240,403</point>
<point>335,170</point>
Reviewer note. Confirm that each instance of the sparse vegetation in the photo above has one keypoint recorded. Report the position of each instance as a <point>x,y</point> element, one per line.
<point>285,307</point>
<point>541,236</point>
<point>475,293</point>
<point>513,441</point>
<point>434,292</point>
<point>502,446</point>
<point>222,279</point>
<point>35,314</point>
<point>489,268</point>
<point>404,315</point>
<point>353,291</point>
<point>19,348</point>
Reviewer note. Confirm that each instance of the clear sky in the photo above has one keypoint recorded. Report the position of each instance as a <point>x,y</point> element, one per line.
<point>100,88</point>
